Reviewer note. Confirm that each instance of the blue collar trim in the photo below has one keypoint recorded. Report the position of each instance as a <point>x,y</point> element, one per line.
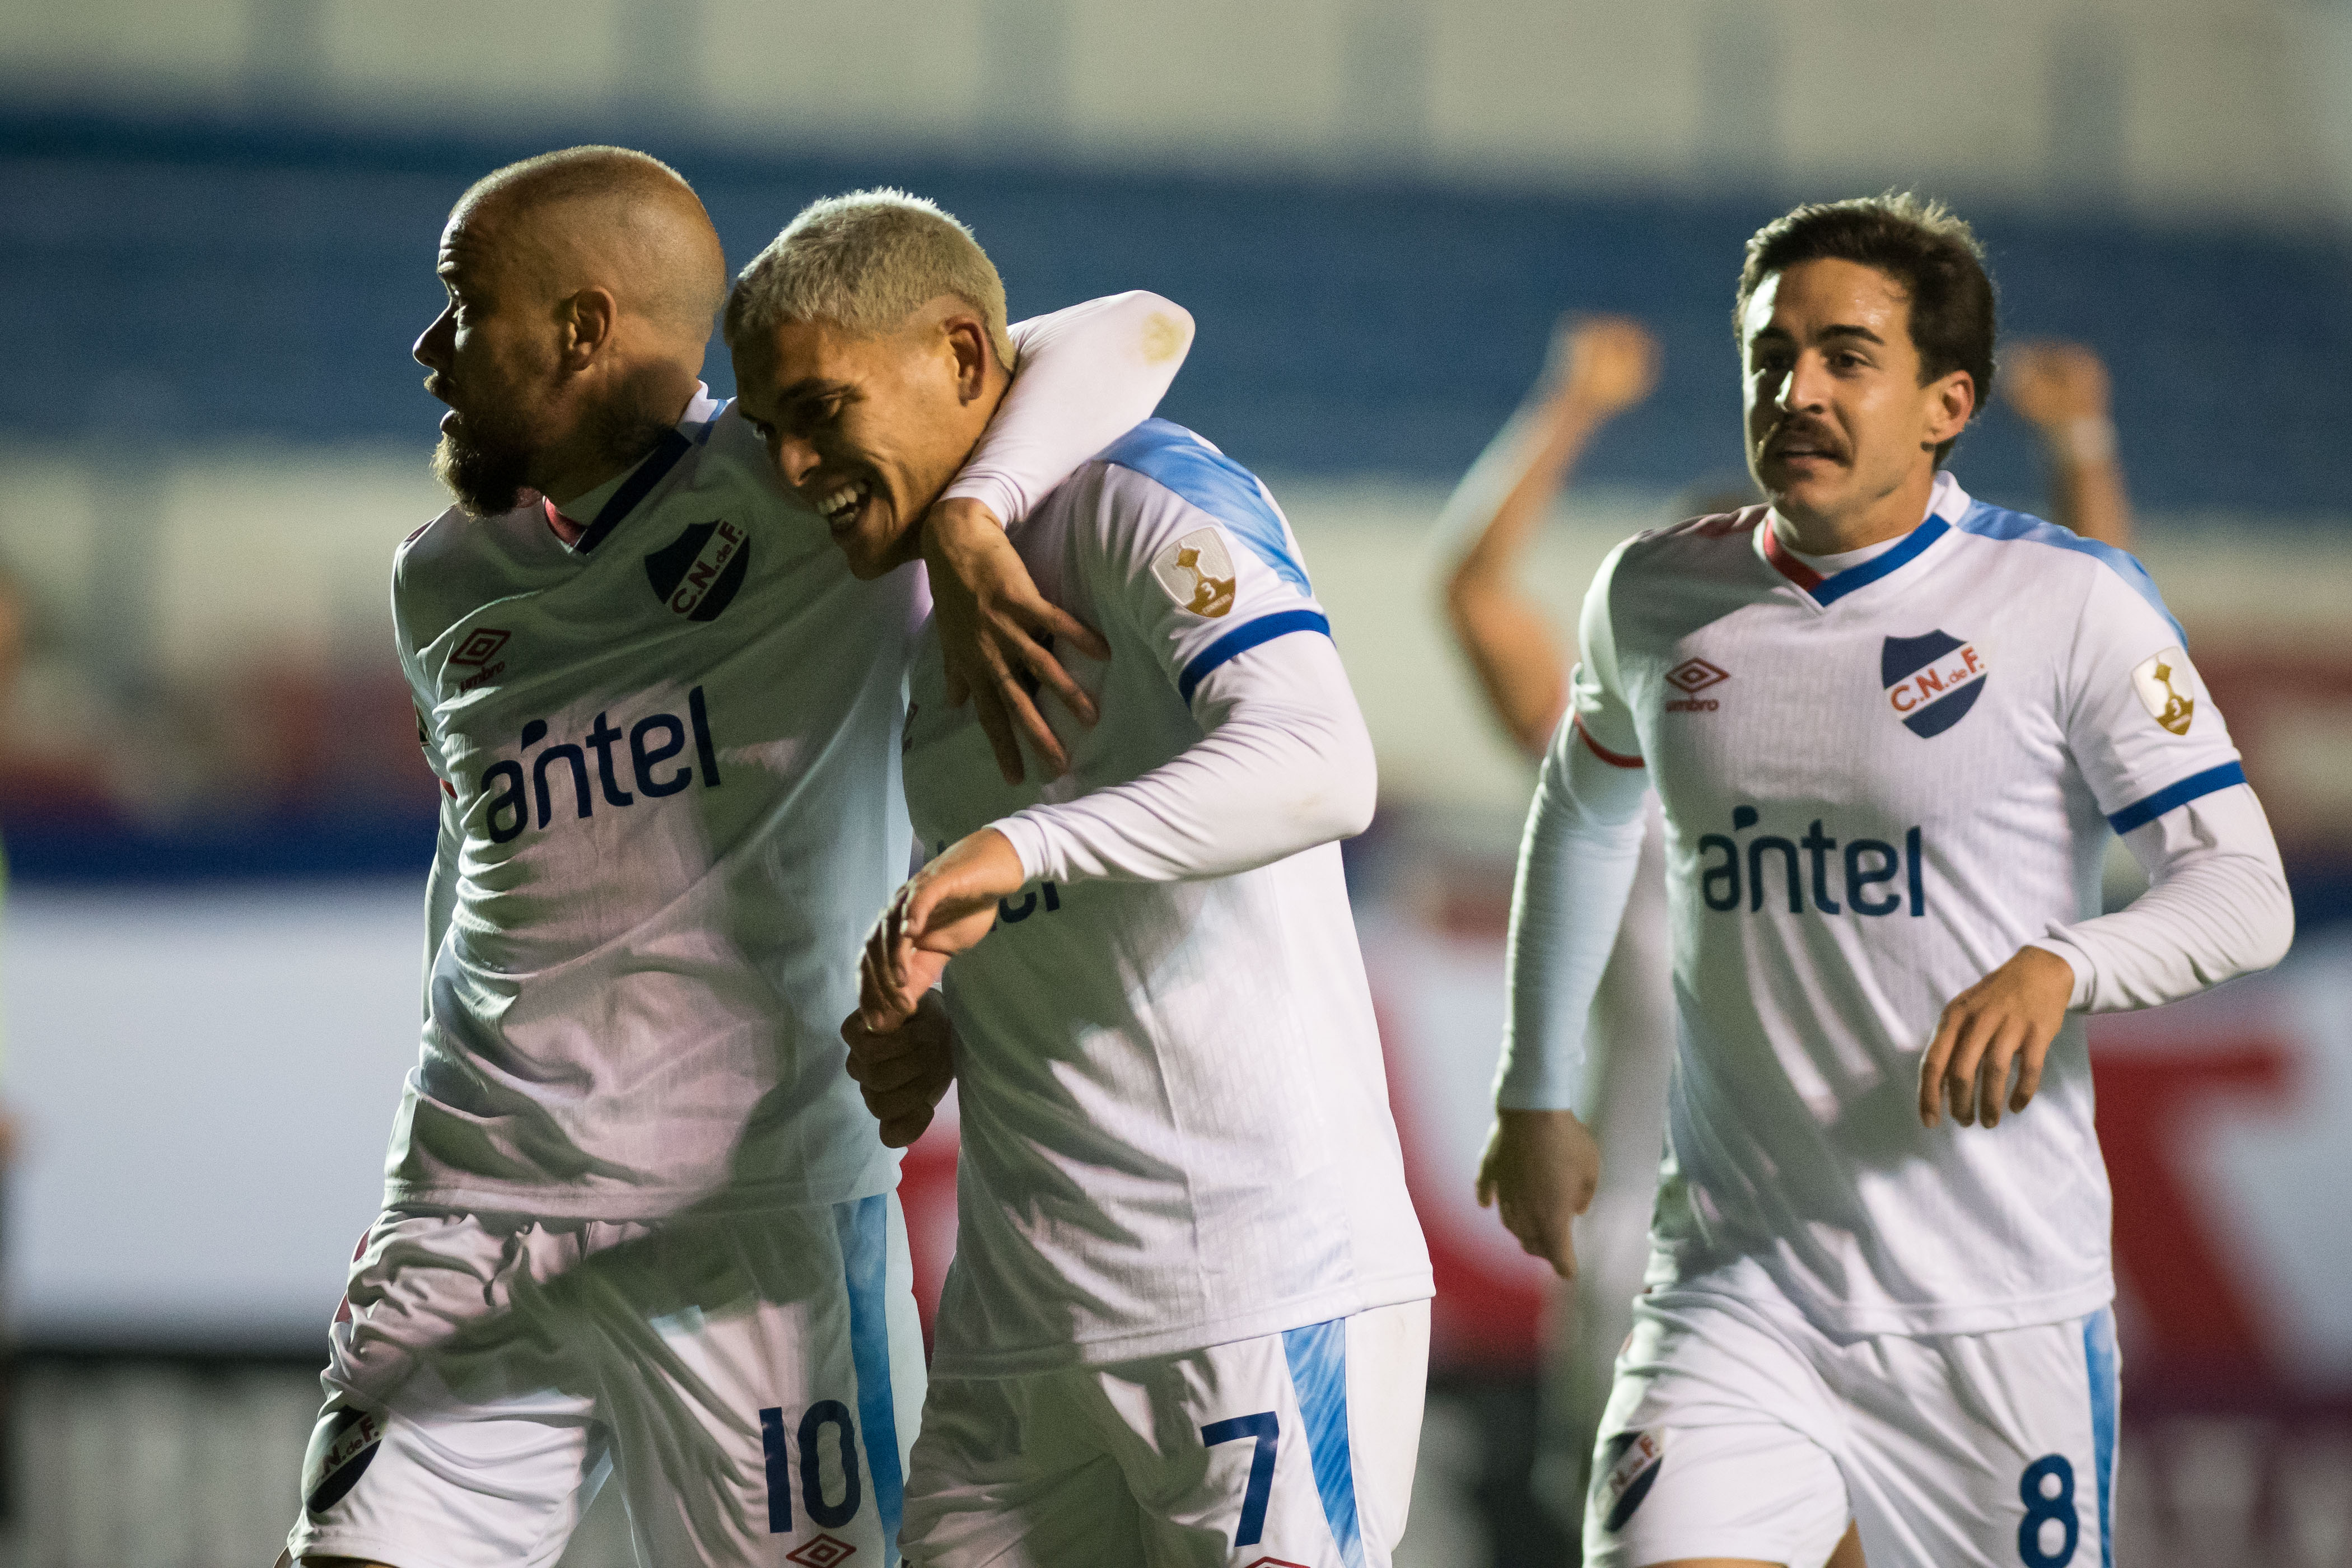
<point>1830,590</point>
<point>651,472</point>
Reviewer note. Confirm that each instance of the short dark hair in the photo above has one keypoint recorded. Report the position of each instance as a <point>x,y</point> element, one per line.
<point>1920,244</point>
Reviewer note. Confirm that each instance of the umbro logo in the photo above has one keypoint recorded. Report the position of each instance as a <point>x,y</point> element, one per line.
<point>479,652</point>
<point>824,1551</point>
<point>1690,678</point>
<point>1696,674</point>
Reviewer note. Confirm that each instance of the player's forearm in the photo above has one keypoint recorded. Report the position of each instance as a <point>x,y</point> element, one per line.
<point>1501,503</point>
<point>1517,657</point>
<point>1087,376</point>
<point>1287,764</point>
<point>2086,483</point>
<point>1576,868</point>
<point>2218,907</point>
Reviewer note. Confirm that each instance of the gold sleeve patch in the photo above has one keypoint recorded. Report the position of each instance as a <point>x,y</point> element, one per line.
<point>1198,572</point>
<point>2164,681</point>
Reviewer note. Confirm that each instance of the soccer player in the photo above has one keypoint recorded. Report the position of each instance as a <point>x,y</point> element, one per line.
<point>1187,1321</point>
<point>636,1218</point>
<point>1891,728</point>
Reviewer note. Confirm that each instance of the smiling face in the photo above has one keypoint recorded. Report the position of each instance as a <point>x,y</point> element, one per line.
<point>493,354</point>
<point>1841,432</point>
<point>869,429</point>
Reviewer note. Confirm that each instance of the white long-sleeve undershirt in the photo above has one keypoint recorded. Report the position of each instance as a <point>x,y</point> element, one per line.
<point>1576,867</point>
<point>1084,373</point>
<point>2217,907</point>
<point>1285,764</point>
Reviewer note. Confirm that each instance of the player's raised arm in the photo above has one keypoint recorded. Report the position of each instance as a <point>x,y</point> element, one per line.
<point>2159,760</point>
<point>1599,366</point>
<point>1086,375</point>
<point>1576,868</point>
<point>2061,389</point>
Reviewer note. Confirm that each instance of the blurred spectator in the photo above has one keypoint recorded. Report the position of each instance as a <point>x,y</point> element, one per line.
<point>2061,389</point>
<point>1599,366</point>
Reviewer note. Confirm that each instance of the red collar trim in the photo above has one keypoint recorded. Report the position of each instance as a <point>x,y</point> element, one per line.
<point>1788,565</point>
<point>565,529</point>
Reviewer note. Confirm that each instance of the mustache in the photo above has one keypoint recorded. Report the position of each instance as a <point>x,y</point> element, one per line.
<point>1802,431</point>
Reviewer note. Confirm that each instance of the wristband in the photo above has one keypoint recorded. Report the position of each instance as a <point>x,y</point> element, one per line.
<point>2086,441</point>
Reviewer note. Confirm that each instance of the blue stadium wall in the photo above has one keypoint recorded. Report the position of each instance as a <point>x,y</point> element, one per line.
<point>226,278</point>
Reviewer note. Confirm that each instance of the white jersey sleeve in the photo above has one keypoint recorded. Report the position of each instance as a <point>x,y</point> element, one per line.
<point>1576,868</point>
<point>1086,375</point>
<point>1284,763</point>
<point>2157,755</point>
<point>2218,907</point>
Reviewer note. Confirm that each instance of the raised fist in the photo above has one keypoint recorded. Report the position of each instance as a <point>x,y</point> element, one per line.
<point>1602,366</point>
<point>2054,384</point>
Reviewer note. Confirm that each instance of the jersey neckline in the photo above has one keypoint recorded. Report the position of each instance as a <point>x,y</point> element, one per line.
<point>1946,505</point>
<point>702,418</point>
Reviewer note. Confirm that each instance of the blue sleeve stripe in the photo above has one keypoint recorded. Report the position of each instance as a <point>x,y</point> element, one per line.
<point>2147,811</point>
<point>1170,455</point>
<point>1993,522</point>
<point>1241,639</point>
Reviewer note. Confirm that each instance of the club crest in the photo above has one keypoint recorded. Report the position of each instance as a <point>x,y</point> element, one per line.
<point>697,574</point>
<point>1931,681</point>
<point>1198,572</point>
<point>341,1448</point>
<point>1632,1460</point>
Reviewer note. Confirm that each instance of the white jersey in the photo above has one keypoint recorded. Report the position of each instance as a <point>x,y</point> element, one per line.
<point>1173,1110</point>
<point>1879,784</point>
<point>668,759</point>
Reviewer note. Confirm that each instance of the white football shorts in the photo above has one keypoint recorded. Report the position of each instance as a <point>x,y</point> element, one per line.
<point>1738,1429</point>
<point>1293,1450</point>
<point>753,1378</point>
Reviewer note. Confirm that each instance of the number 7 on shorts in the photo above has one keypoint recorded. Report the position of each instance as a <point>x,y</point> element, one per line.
<point>1265,1428</point>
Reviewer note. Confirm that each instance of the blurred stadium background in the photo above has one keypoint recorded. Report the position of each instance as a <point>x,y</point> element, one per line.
<point>217,230</point>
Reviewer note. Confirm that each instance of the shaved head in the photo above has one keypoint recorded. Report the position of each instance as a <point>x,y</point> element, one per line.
<point>610,217</point>
<point>583,285</point>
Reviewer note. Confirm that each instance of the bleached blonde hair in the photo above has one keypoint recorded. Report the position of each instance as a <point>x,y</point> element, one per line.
<point>866,261</point>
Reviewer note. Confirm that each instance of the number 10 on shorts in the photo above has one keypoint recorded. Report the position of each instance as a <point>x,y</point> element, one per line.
<point>825,1515</point>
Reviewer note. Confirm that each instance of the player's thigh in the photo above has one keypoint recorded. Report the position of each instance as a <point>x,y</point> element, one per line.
<point>1010,1473</point>
<point>432,1481</point>
<point>1296,1447</point>
<point>1990,1450</point>
<point>1719,1442</point>
<point>761,1374</point>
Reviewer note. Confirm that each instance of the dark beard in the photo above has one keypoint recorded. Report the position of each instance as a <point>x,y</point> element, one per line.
<point>489,472</point>
<point>486,480</point>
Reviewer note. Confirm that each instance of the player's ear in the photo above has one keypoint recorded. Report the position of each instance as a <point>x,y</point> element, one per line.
<point>1951,399</point>
<point>968,341</point>
<point>587,319</point>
